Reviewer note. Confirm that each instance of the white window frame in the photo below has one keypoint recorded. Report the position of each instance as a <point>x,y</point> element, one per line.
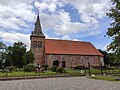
<point>55,58</point>
<point>81,59</point>
<point>72,59</point>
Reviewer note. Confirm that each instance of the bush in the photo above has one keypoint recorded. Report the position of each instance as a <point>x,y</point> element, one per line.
<point>45,67</point>
<point>60,70</point>
<point>29,68</point>
<point>80,67</point>
<point>11,68</point>
<point>54,68</point>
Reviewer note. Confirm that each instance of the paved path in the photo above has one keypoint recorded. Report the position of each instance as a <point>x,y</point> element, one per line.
<point>69,83</point>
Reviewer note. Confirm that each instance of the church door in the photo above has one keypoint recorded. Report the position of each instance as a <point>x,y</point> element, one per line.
<point>63,64</point>
<point>56,63</point>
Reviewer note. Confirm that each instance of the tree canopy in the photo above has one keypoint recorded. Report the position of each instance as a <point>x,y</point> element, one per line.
<point>2,53</point>
<point>16,55</point>
<point>114,30</point>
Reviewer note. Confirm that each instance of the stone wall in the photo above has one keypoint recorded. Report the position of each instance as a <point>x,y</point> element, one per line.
<point>74,60</point>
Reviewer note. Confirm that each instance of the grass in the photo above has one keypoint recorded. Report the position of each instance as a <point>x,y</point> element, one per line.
<point>68,71</point>
<point>20,74</point>
<point>46,73</point>
<point>116,75</point>
<point>73,72</point>
<point>104,78</point>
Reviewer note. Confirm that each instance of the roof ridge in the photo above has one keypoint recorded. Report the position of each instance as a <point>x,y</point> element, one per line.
<point>66,40</point>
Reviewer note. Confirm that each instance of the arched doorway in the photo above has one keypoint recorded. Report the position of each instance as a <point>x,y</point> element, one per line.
<point>56,63</point>
<point>63,64</point>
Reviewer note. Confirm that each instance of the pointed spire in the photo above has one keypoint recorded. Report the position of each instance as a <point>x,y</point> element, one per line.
<point>38,29</point>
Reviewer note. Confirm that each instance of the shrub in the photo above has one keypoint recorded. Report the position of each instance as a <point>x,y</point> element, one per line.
<point>11,68</point>
<point>45,67</point>
<point>60,70</point>
<point>29,68</point>
<point>79,67</point>
<point>54,68</point>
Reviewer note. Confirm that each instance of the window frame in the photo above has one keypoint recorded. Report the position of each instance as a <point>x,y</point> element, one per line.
<point>34,44</point>
<point>81,59</point>
<point>39,44</point>
<point>72,59</point>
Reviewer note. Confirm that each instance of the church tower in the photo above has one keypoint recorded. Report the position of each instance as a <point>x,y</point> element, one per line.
<point>38,43</point>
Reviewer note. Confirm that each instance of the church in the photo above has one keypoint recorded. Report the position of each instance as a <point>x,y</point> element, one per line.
<point>63,53</point>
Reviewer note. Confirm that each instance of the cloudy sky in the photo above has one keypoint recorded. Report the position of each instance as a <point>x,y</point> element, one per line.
<point>83,20</point>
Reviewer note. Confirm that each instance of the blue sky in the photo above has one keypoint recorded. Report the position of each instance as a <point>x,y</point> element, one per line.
<point>79,20</point>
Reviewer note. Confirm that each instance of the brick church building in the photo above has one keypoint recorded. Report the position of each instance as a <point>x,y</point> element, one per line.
<point>66,53</point>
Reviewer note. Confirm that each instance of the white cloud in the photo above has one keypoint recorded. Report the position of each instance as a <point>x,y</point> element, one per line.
<point>76,40</point>
<point>14,37</point>
<point>60,21</point>
<point>66,37</point>
<point>16,14</point>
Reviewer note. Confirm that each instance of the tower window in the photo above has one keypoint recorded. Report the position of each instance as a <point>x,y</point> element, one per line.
<point>39,44</point>
<point>35,44</point>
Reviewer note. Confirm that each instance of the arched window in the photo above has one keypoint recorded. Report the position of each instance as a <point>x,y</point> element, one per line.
<point>72,59</point>
<point>35,44</point>
<point>39,44</point>
<point>81,59</point>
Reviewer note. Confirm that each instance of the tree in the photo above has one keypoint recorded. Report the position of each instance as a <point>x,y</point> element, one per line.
<point>15,55</point>
<point>18,52</point>
<point>114,59</point>
<point>114,31</point>
<point>106,57</point>
<point>29,57</point>
<point>2,53</point>
<point>8,57</point>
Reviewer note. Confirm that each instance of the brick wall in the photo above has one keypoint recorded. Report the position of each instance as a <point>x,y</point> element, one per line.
<point>39,52</point>
<point>73,60</point>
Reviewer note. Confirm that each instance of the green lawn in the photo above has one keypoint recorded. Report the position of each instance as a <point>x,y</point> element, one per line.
<point>116,75</point>
<point>20,73</point>
<point>105,78</point>
<point>68,71</point>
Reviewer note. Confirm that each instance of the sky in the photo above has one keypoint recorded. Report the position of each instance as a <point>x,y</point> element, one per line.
<point>78,20</point>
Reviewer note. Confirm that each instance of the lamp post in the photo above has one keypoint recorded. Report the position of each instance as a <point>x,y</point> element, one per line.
<point>89,68</point>
<point>101,68</point>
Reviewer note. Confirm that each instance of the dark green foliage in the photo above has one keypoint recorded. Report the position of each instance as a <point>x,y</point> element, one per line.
<point>57,69</point>
<point>2,53</point>
<point>106,57</point>
<point>18,51</point>
<point>60,70</point>
<point>17,55</point>
<point>114,30</point>
<point>29,68</point>
<point>29,57</point>
<point>45,67</point>
<point>80,67</point>
<point>114,59</point>
<point>11,68</point>
<point>54,68</point>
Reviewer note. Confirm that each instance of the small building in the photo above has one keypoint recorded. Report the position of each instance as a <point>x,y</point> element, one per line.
<point>63,53</point>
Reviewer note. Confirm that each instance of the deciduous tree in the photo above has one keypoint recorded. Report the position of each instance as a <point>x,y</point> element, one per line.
<point>114,30</point>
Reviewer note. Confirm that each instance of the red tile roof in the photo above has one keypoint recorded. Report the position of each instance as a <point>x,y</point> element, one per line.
<point>53,46</point>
